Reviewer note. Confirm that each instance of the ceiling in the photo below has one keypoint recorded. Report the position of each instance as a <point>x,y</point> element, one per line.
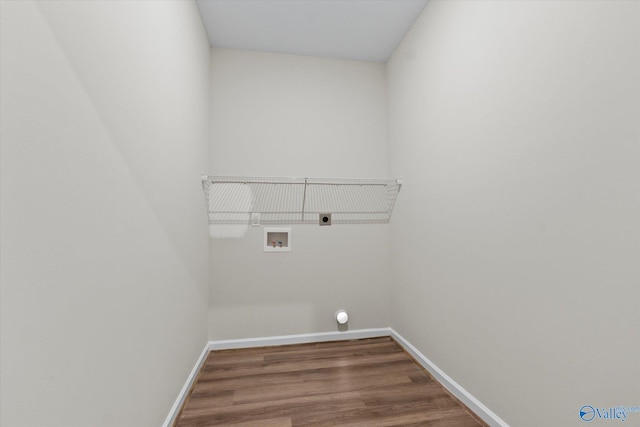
<point>365,30</point>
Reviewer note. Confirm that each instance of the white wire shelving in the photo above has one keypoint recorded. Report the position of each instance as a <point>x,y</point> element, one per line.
<point>292,200</point>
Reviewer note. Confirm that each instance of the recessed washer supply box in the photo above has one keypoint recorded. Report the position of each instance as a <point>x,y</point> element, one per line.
<point>277,239</point>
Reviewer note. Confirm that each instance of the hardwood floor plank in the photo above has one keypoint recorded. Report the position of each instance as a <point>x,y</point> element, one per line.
<point>332,352</point>
<point>276,422</point>
<point>276,408</point>
<point>369,382</point>
<point>210,399</point>
<point>380,416</point>
<point>208,383</point>
<point>402,393</point>
<point>318,387</point>
<point>279,406</point>
<point>305,365</point>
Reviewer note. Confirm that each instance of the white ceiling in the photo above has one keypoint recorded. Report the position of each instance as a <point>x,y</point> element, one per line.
<point>366,30</point>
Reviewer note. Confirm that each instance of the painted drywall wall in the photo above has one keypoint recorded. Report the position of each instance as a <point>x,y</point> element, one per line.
<point>286,115</point>
<point>516,248</point>
<point>104,109</point>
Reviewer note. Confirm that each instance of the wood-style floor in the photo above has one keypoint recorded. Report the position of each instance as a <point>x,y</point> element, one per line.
<point>370,382</point>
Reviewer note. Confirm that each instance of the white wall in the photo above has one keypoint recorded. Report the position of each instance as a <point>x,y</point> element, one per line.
<point>516,243</point>
<point>104,235</point>
<point>285,115</point>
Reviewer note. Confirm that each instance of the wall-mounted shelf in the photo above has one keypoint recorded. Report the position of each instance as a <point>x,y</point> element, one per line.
<point>288,200</point>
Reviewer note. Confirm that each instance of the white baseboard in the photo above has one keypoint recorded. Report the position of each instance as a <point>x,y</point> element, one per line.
<point>177,405</point>
<point>456,389</point>
<point>299,339</point>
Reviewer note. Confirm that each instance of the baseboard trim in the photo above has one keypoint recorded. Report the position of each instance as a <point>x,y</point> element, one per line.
<point>177,405</point>
<point>299,339</point>
<point>454,388</point>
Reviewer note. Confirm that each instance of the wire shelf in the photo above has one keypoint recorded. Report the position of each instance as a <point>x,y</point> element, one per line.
<point>290,200</point>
